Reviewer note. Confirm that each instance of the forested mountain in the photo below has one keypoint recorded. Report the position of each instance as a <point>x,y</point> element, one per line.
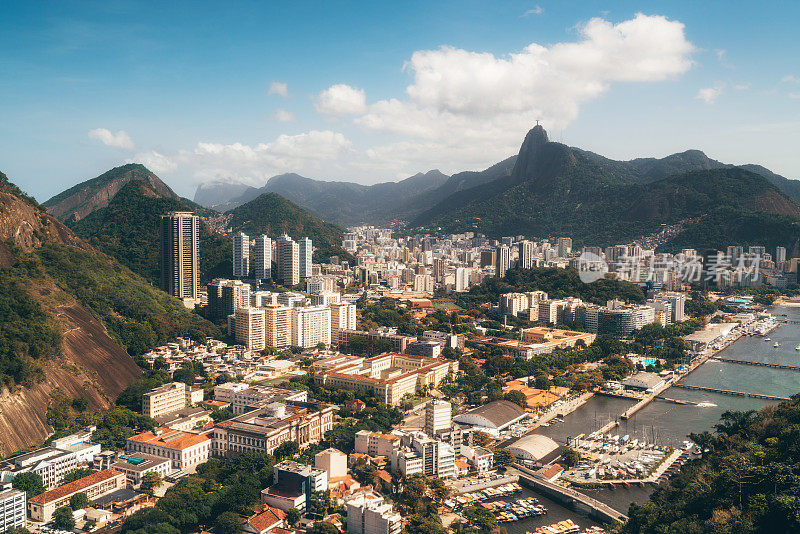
<point>127,229</point>
<point>69,314</point>
<point>273,215</point>
<point>80,200</point>
<point>746,482</point>
<point>557,190</point>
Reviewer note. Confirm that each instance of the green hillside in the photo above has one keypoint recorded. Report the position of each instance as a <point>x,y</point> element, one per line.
<point>555,190</point>
<point>51,269</point>
<point>273,215</point>
<point>127,229</point>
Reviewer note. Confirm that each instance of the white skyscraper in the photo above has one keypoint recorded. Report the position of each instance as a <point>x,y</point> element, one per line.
<point>288,261</point>
<point>250,327</point>
<point>780,254</point>
<point>438,416</point>
<point>241,255</point>
<point>502,261</point>
<point>306,251</point>
<point>261,266</point>
<point>462,278</point>
<point>311,325</point>
<point>526,254</point>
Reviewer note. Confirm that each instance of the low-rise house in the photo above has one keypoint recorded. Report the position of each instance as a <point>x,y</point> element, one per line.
<point>265,521</point>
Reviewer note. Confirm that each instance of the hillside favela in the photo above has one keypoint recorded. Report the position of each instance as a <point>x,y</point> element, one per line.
<point>399,268</point>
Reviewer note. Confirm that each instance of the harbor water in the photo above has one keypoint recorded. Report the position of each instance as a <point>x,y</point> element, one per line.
<point>668,423</point>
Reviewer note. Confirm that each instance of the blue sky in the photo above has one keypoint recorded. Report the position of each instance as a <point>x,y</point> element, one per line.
<point>376,91</point>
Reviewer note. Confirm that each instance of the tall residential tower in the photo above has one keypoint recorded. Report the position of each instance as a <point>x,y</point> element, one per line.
<point>179,254</point>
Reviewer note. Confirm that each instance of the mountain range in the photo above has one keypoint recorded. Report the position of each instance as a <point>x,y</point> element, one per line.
<point>69,313</point>
<point>551,189</point>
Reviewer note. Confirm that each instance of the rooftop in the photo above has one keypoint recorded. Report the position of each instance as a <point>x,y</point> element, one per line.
<point>75,486</point>
<point>173,439</point>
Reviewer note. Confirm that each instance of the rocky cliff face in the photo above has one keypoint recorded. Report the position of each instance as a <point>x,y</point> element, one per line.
<point>90,363</point>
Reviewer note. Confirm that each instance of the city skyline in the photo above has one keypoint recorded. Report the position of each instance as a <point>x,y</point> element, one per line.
<point>96,86</point>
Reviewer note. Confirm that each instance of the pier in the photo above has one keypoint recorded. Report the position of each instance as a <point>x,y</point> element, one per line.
<point>575,500</point>
<point>731,392</point>
<point>761,364</point>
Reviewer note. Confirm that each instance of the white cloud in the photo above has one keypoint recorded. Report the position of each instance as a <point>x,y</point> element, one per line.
<point>121,139</point>
<point>709,95</point>
<point>341,99</point>
<point>282,115</point>
<point>278,88</point>
<point>538,10</point>
<point>791,79</point>
<point>462,99</point>
<point>155,161</point>
<point>742,86</point>
<point>794,96</point>
<point>720,52</point>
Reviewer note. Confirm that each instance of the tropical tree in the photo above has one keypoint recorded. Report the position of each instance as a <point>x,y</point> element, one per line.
<point>63,519</point>
<point>78,501</point>
<point>30,483</point>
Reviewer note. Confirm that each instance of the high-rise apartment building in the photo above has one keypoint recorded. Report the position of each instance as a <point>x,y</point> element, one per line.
<point>250,328</point>
<point>502,261</point>
<point>564,245</point>
<point>179,254</point>
<point>306,249</point>
<point>261,264</point>
<point>526,254</point>
<point>780,254</point>
<point>241,255</point>
<point>225,296</point>
<point>438,416</point>
<point>288,261</point>
<point>310,326</point>
<point>278,326</point>
<point>462,279</point>
<point>343,317</point>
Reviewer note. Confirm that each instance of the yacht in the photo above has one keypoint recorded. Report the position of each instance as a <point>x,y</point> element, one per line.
<point>797,347</point>
<point>776,345</point>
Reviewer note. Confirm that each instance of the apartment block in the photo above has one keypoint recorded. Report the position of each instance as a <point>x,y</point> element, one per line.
<point>41,507</point>
<point>250,330</point>
<point>277,326</point>
<point>261,261</point>
<point>136,466</point>
<point>241,255</point>
<point>12,509</point>
<point>367,513</point>
<point>310,326</point>
<point>165,399</point>
<point>306,251</point>
<point>179,254</point>
<point>288,261</point>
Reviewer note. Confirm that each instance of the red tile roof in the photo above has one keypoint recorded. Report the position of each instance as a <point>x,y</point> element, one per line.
<point>173,439</point>
<point>266,519</point>
<point>75,486</point>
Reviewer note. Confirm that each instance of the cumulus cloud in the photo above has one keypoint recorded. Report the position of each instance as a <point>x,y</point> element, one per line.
<point>341,99</point>
<point>790,79</point>
<point>460,97</point>
<point>282,115</point>
<point>537,10</point>
<point>278,88</point>
<point>121,139</point>
<point>709,95</point>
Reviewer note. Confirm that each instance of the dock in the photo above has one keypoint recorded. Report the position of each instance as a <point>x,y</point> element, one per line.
<point>761,364</point>
<point>574,500</point>
<point>731,392</point>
